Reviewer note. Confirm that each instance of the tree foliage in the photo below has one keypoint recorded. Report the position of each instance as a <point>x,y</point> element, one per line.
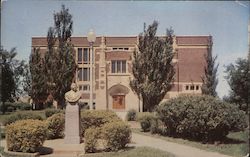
<point>12,71</point>
<point>210,80</point>
<point>39,86</point>
<point>153,70</point>
<point>58,62</point>
<point>238,78</point>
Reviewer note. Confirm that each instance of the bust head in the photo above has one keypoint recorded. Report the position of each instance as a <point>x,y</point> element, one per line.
<point>73,87</point>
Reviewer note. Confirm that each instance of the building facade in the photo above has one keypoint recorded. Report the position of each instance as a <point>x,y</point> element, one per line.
<point>112,69</point>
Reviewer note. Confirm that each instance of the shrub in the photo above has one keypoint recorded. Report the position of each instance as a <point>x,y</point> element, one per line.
<point>49,112</point>
<point>145,120</point>
<point>96,118</point>
<point>24,106</point>
<point>10,109</point>
<point>91,138</point>
<point>25,135</point>
<point>116,135</point>
<point>20,116</point>
<point>200,117</point>
<point>55,126</point>
<point>131,115</point>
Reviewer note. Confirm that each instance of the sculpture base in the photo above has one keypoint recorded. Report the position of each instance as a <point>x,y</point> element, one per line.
<point>72,140</point>
<point>72,124</point>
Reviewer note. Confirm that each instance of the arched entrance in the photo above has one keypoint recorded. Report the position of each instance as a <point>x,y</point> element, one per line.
<point>118,93</point>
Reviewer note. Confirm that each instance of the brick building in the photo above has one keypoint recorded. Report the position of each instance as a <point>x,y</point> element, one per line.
<point>113,66</point>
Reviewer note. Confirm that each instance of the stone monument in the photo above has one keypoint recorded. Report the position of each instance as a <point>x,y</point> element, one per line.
<point>72,116</point>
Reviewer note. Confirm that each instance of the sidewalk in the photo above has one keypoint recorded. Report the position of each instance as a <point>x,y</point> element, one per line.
<point>178,150</point>
<point>57,148</point>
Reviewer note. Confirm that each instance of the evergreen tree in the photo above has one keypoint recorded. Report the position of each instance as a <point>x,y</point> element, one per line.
<point>39,87</point>
<point>60,63</point>
<point>153,70</point>
<point>238,78</point>
<point>210,80</point>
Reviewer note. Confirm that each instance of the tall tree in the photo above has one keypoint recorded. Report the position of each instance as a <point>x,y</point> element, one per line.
<point>153,70</point>
<point>60,63</point>
<point>238,78</point>
<point>39,88</point>
<point>53,72</point>
<point>11,72</point>
<point>210,79</point>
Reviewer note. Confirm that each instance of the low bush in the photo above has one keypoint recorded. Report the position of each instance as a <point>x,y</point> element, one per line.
<point>200,117</point>
<point>146,119</point>
<point>96,118</point>
<point>51,111</point>
<point>25,135</point>
<point>116,135</point>
<point>55,126</point>
<point>10,109</point>
<point>24,106</point>
<point>131,115</point>
<point>91,138</point>
<point>20,116</point>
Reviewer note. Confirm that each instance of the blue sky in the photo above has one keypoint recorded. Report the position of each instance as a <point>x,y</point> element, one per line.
<point>226,21</point>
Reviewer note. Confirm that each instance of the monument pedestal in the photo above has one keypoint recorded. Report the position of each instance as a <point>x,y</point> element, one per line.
<point>72,121</point>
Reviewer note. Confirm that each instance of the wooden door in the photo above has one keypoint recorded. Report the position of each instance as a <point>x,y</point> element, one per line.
<point>118,101</point>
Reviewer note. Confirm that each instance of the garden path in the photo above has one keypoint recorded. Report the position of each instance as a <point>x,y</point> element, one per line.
<point>179,150</point>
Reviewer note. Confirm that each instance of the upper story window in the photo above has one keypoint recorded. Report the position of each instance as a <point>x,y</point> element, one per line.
<point>79,55</point>
<point>118,66</point>
<point>83,56</point>
<point>83,74</point>
<point>192,87</point>
<point>120,48</point>
<point>86,57</point>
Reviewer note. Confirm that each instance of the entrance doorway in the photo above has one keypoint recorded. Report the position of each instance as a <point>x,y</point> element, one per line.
<point>118,101</point>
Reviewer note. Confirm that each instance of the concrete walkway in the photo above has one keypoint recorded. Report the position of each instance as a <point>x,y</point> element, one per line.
<point>57,148</point>
<point>178,150</point>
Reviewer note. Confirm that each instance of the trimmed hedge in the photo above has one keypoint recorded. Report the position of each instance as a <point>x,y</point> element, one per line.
<point>20,116</point>
<point>96,118</point>
<point>51,111</point>
<point>116,135</point>
<point>55,126</point>
<point>25,135</point>
<point>131,115</point>
<point>91,138</point>
<point>200,117</point>
<point>146,119</point>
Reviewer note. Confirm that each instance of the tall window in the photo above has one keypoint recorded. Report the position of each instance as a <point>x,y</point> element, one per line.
<point>118,66</point>
<point>86,57</point>
<point>83,74</point>
<point>79,57</point>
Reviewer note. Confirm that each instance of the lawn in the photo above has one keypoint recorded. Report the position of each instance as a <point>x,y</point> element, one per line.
<point>235,145</point>
<point>133,152</point>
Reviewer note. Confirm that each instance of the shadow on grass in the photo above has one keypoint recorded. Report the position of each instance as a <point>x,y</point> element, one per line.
<point>45,150</point>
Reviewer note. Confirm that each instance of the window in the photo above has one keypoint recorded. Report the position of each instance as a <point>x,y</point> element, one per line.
<point>79,56</point>
<point>121,48</point>
<point>118,66</point>
<point>83,74</point>
<point>192,87</point>
<point>86,56</point>
<point>187,87</point>
<point>197,87</point>
<point>84,87</point>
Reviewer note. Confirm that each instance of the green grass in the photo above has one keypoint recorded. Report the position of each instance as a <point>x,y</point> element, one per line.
<point>236,144</point>
<point>133,152</point>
